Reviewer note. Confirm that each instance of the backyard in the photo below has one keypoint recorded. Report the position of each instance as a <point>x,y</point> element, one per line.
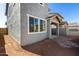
<point>47,47</point>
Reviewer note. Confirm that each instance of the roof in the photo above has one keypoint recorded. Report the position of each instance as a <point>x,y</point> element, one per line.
<point>52,14</point>
<point>57,15</point>
<point>6,11</point>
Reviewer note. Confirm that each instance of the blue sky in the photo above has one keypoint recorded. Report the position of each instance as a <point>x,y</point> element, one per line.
<point>2,15</point>
<point>70,12</point>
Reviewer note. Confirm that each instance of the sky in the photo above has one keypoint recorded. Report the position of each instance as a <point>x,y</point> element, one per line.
<point>2,16</point>
<point>70,12</point>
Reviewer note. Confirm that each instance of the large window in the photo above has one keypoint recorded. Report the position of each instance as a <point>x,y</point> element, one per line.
<point>36,24</point>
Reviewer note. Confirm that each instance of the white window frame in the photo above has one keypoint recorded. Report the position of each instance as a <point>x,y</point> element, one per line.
<point>28,15</point>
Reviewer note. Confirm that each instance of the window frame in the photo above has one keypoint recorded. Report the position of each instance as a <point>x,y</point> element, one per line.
<point>28,15</point>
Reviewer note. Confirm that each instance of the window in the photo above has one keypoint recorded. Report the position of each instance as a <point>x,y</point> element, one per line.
<point>33,24</point>
<point>36,24</point>
<point>42,4</point>
<point>42,25</point>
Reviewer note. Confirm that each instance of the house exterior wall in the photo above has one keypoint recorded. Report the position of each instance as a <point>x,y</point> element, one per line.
<point>13,22</point>
<point>34,9</point>
<point>62,31</point>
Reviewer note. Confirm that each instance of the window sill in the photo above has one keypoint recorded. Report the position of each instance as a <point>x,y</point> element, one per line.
<point>36,32</point>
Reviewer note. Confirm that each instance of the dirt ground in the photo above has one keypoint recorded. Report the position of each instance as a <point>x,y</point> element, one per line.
<point>47,47</point>
<point>12,48</point>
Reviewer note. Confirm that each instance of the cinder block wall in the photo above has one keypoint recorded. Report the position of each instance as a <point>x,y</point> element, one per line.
<point>3,31</point>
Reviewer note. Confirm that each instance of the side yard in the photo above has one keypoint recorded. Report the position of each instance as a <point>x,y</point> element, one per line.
<point>10,47</point>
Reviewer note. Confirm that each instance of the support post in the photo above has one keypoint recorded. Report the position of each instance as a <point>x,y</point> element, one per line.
<point>58,30</point>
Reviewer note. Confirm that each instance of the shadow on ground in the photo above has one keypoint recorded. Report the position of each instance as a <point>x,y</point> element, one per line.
<point>49,47</point>
<point>2,45</point>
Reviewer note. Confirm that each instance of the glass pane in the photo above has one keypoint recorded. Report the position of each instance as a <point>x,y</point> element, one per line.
<point>31,24</point>
<point>42,25</point>
<point>36,25</point>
